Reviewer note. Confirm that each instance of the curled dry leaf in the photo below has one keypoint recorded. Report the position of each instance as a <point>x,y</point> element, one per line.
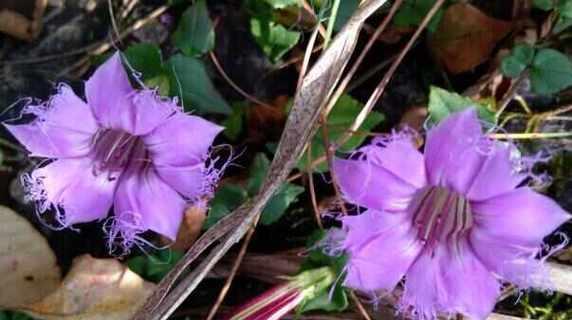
<point>466,37</point>
<point>94,289</point>
<point>191,227</point>
<point>27,264</point>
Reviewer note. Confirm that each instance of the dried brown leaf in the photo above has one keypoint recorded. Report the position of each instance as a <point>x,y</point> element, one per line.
<point>466,37</point>
<point>27,264</point>
<point>191,227</point>
<point>94,289</point>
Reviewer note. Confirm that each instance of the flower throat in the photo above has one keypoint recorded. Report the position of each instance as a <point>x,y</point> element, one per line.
<point>113,149</point>
<point>440,215</point>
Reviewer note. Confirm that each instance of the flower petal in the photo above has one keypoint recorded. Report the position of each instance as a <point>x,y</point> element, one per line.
<point>117,105</point>
<point>72,185</point>
<point>400,157</point>
<point>144,202</point>
<point>106,90</point>
<point>63,128</point>
<point>496,176</point>
<point>452,157</point>
<point>449,281</point>
<point>512,262</point>
<point>364,183</point>
<point>381,247</point>
<point>521,216</point>
<point>190,136</point>
<point>190,181</point>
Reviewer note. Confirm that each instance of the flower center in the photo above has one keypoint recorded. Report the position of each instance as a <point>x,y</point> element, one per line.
<point>440,214</point>
<point>113,149</point>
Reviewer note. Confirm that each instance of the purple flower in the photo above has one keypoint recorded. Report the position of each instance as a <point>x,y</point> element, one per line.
<point>453,221</point>
<point>125,148</point>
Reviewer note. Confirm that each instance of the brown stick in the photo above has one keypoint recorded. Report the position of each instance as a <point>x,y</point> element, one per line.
<point>232,274</point>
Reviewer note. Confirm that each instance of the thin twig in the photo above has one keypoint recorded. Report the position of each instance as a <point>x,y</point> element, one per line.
<point>321,28</point>
<point>531,135</point>
<point>329,149</point>
<point>306,60</point>
<point>373,38</point>
<point>113,22</point>
<point>312,190</point>
<point>249,97</point>
<point>232,274</point>
<point>106,45</point>
<point>331,21</point>
<point>359,305</point>
<point>509,95</point>
<point>380,89</point>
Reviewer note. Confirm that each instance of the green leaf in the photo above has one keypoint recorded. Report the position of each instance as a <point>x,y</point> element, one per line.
<point>544,4</point>
<point>340,119</point>
<point>146,59</point>
<point>519,59</point>
<point>274,39</point>
<point>412,12</point>
<point>551,72</point>
<point>227,198</point>
<point>155,266</point>
<point>195,32</point>
<point>316,259</point>
<point>442,103</point>
<point>189,79</point>
<point>345,11</point>
<point>257,173</point>
<point>565,8</point>
<point>562,23</point>
<point>161,82</point>
<point>335,302</point>
<point>276,207</point>
<point>233,123</point>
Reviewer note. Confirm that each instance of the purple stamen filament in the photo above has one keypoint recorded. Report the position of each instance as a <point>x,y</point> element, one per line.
<point>440,214</point>
<point>113,150</point>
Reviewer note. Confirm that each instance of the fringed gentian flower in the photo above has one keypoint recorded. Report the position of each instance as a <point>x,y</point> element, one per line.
<point>454,221</point>
<point>125,148</point>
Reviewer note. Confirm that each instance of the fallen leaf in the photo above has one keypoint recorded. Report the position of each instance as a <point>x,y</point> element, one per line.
<point>94,289</point>
<point>27,264</point>
<point>266,121</point>
<point>191,227</point>
<point>466,37</point>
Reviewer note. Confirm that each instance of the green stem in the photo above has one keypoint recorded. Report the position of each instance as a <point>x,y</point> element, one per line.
<point>331,22</point>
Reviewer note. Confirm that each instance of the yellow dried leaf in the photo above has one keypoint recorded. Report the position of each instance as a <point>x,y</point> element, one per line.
<point>27,264</point>
<point>94,289</point>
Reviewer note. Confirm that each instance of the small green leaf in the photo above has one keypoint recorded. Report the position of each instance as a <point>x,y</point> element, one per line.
<point>442,103</point>
<point>274,39</point>
<point>562,23</point>
<point>146,59</point>
<point>519,59</point>
<point>233,123</point>
<point>335,302</point>
<point>544,4</point>
<point>277,205</point>
<point>565,8</point>
<point>257,173</point>
<point>340,119</point>
<point>195,32</point>
<point>551,72</point>
<point>155,266</point>
<point>227,198</point>
<point>161,82</point>
<point>412,12</point>
<point>189,79</point>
